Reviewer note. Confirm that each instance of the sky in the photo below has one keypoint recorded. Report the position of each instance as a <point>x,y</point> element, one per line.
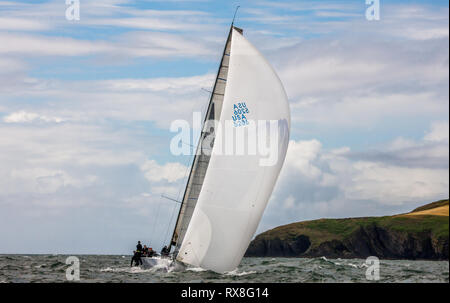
<point>86,106</point>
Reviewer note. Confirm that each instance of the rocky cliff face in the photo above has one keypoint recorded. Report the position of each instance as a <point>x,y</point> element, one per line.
<point>278,248</point>
<point>376,241</point>
<point>364,242</point>
<point>406,236</point>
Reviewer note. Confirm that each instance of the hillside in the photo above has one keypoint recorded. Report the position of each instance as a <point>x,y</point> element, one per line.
<point>420,234</point>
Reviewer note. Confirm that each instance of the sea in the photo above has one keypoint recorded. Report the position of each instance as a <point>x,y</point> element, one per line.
<point>116,269</point>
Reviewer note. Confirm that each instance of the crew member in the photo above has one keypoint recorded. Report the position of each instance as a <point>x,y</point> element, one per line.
<point>136,259</point>
<point>164,251</point>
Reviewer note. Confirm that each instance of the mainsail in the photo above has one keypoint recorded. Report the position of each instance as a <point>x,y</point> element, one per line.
<point>226,195</point>
<point>202,156</point>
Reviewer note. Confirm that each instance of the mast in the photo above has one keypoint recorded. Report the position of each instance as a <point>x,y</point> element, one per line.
<point>201,160</point>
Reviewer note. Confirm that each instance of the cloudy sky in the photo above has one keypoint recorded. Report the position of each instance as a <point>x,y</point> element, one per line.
<point>85,110</point>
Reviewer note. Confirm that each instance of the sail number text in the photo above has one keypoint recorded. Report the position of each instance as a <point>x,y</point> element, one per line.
<point>239,111</point>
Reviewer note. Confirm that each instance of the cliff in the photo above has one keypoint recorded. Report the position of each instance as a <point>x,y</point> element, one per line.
<point>420,234</point>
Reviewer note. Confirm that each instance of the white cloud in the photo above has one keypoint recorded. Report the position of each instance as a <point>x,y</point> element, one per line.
<point>152,23</point>
<point>390,184</point>
<point>181,85</point>
<point>9,66</point>
<point>439,132</point>
<point>308,5</point>
<point>134,44</point>
<point>67,144</point>
<point>143,204</point>
<point>417,22</point>
<point>170,31</point>
<point>301,158</point>
<point>27,117</point>
<point>160,100</point>
<point>171,171</point>
<point>147,44</point>
<point>34,45</point>
<point>316,183</point>
<point>289,202</point>
<point>43,180</point>
<point>364,84</point>
<point>20,24</point>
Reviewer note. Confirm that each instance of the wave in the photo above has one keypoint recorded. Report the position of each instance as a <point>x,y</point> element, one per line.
<point>239,274</point>
<point>320,269</point>
<point>137,270</point>
<point>57,264</point>
<point>130,270</point>
<point>196,269</point>
<point>341,262</point>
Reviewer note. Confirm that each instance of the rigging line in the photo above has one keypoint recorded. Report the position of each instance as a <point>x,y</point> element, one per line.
<point>195,146</point>
<point>171,217</point>
<point>170,223</point>
<point>155,219</point>
<point>186,162</point>
<point>169,198</point>
<point>171,170</point>
<point>204,110</point>
<point>188,168</point>
<point>163,195</point>
<point>184,177</point>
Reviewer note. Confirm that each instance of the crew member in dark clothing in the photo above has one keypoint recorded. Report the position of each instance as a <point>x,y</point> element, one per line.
<point>138,253</point>
<point>164,251</point>
<point>139,247</point>
<point>145,251</point>
<point>151,252</point>
<point>136,259</point>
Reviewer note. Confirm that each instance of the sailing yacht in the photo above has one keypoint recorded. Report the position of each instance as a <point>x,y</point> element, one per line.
<point>225,195</point>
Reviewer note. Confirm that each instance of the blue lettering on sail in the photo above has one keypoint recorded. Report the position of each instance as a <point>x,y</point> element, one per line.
<point>240,111</point>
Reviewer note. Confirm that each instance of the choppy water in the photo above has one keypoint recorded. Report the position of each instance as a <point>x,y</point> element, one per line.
<point>52,268</point>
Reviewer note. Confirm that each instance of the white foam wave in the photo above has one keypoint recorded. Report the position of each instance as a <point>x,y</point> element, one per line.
<point>239,274</point>
<point>196,269</point>
<point>131,270</point>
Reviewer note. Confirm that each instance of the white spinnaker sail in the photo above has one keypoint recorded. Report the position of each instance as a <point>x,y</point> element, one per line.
<point>236,188</point>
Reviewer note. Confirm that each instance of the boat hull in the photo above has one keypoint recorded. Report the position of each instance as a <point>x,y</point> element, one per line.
<point>167,264</point>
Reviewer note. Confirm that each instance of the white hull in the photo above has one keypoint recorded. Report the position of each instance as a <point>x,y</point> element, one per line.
<point>167,264</point>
